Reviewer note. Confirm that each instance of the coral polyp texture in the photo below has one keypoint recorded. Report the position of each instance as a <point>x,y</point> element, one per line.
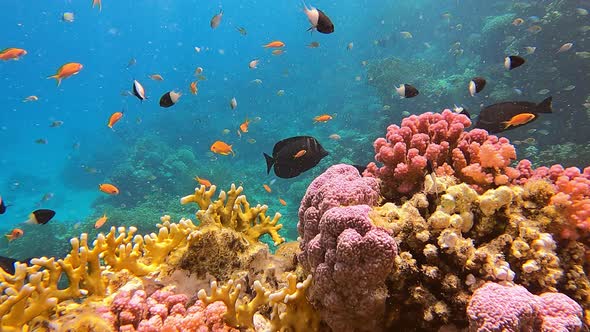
<point>349,257</point>
<point>474,157</point>
<point>509,307</point>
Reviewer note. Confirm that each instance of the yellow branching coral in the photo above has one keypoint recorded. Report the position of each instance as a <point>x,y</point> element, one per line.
<point>232,210</point>
<point>290,309</point>
<point>33,290</point>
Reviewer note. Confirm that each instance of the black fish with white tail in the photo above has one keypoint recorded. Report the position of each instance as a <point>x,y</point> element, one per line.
<point>513,61</point>
<point>169,99</point>
<point>287,166</point>
<point>493,118</point>
<point>407,91</point>
<point>40,217</point>
<point>476,85</point>
<point>319,21</point>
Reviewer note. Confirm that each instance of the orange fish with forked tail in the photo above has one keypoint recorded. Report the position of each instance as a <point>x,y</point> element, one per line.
<point>519,120</point>
<point>97,3</point>
<point>274,44</point>
<point>203,182</point>
<point>244,126</point>
<point>222,148</point>
<point>267,188</point>
<point>16,233</point>
<point>194,88</point>
<point>108,188</point>
<point>101,221</point>
<point>12,53</point>
<point>115,117</point>
<point>67,70</point>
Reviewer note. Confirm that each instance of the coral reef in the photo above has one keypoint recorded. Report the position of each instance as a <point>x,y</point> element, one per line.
<point>447,246</point>
<point>474,157</point>
<point>348,256</point>
<point>496,307</point>
<point>35,292</point>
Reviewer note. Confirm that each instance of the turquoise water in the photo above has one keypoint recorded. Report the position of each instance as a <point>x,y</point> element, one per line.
<point>153,153</point>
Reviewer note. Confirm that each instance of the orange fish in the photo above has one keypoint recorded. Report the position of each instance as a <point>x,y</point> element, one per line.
<point>282,201</point>
<point>97,2</point>
<point>244,126</point>
<point>322,118</point>
<point>267,188</point>
<point>274,44</point>
<point>12,53</point>
<point>14,234</point>
<point>519,120</point>
<point>222,148</point>
<point>277,52</point>
<point>67,70</point>
<point>98,224</point>
<point>194,88</point>
<point>299,154</point>
<point>108,188</point>
<point>204,182</point>
<point>115,117</point>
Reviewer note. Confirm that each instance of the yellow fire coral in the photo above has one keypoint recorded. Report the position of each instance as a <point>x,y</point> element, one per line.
<point>290,309</point>
<point>232,210</point>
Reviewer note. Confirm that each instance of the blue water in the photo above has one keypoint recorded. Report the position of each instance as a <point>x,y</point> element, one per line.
<point>161,36</point>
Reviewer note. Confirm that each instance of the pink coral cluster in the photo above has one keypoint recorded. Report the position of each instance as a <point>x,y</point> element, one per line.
<point>167,312</point>
<point>348,256</point>
<point>474,157</point>
<point>572,197</point>
<point>496,307</point>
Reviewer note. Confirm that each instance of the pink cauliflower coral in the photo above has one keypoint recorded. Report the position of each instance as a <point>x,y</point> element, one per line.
<point>166,311</point>
<point>474,157</point>
<point>496,307</point>
<point>348,256</point>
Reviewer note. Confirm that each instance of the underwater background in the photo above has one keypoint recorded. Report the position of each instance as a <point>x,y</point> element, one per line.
<point>152,154</point>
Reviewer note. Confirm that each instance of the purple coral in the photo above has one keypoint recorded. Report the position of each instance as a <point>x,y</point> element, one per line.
<point>348,256</point>
<point>496,307</point>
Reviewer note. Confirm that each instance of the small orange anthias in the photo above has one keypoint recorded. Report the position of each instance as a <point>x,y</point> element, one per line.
<point>222,148</point>
<point>322,118</point>
<point>101,221</point>
<point>115,117</point>
<point>244,126</point>
<point>194,88</point>
<point>519,120</point>
<point>274,44</point>
<point>267,188</point>
<point>12,53</point>
<point>16,233</point>
<point>67,70</point>
<point>97,3</point>
<point>203,182</point>
<point>108,188</point>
